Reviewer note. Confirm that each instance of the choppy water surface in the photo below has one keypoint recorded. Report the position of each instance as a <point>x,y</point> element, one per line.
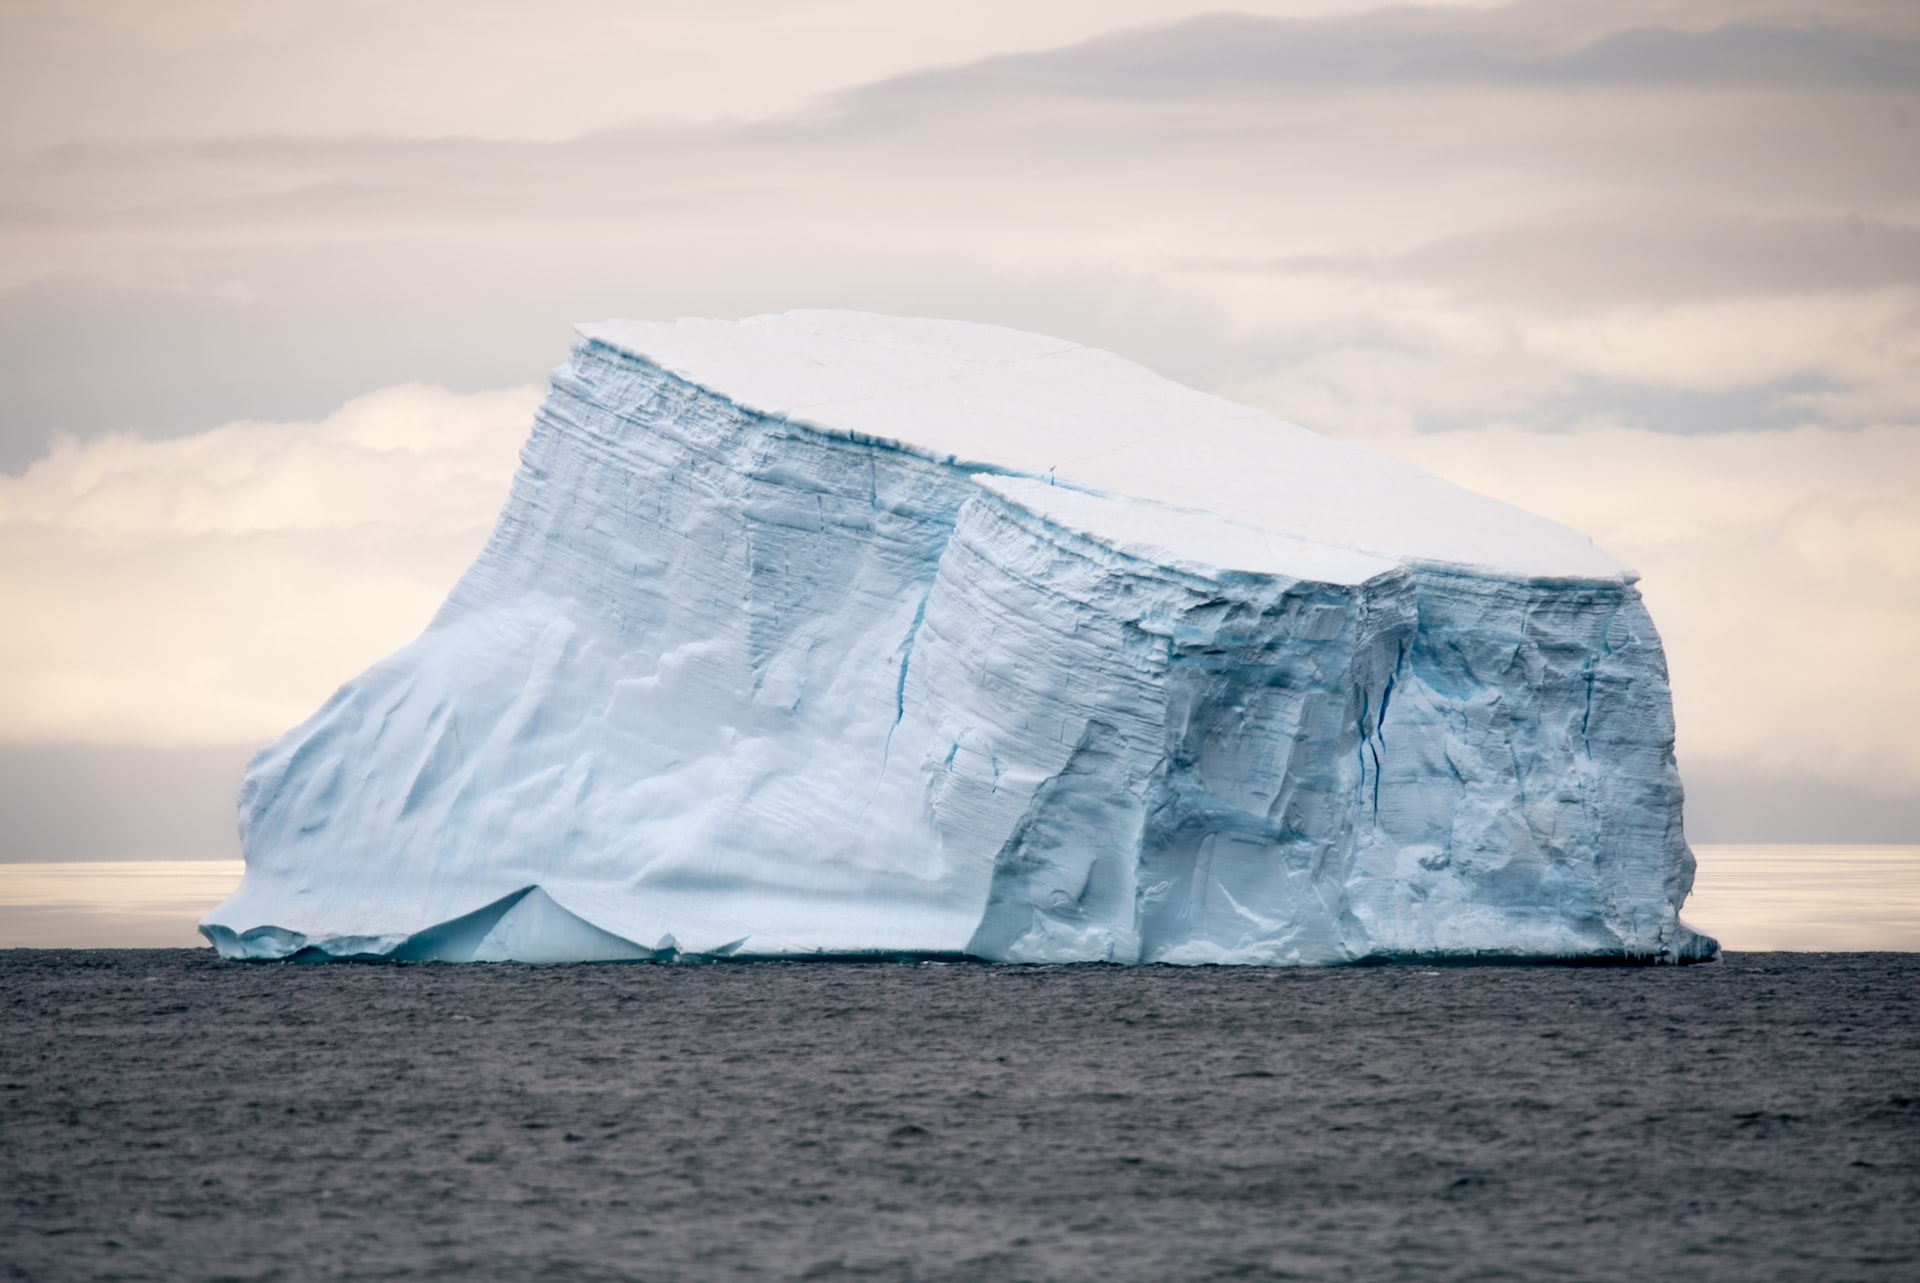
<point>165,1115</point>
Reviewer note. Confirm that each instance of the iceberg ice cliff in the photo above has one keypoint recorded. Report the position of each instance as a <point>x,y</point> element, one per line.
<point>827,634</point>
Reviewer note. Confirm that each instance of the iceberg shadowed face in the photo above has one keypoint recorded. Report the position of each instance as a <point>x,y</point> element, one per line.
<point>829,634</point>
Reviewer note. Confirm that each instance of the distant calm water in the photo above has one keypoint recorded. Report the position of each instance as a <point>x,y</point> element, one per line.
<point>138,904</point>
<point>1833,898</point>
<point>164,1115</point>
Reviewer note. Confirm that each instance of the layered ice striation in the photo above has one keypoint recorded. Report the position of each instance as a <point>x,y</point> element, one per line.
<point>827,634</point>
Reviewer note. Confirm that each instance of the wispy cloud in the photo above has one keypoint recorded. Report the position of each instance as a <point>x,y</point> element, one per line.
<point>1558,44</point>
<point>1610,203</point>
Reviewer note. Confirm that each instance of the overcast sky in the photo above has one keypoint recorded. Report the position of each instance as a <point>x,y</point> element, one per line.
<point>279,286</point>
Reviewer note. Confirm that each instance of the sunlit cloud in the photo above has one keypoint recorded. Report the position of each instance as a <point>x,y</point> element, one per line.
<point>213,589</point>
<point>495,68</point>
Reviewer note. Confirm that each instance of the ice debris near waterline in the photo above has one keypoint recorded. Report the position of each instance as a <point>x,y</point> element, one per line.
<point>835,634</point>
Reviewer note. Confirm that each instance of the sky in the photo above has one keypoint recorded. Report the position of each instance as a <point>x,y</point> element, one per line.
<point>280,285</point>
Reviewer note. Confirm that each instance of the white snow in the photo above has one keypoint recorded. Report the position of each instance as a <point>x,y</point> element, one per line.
<point>1029,404</point>
<point>830,634</point>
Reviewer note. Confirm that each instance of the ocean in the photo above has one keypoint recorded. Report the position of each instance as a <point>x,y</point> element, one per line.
<point>164,1115</point>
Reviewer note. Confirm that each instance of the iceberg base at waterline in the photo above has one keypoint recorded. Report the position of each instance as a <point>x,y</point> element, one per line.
<point>835,635</point>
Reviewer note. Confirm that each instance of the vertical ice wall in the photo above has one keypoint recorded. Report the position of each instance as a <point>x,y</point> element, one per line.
<point>1526,778</point>
<point>1165,755</point>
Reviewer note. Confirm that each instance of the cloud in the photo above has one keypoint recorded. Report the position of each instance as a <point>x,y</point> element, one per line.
<point>1537,44</point>
<point>119,802</point>
<point>1649,256</point>
<point>93,68</point>
<point>1537,214</point>
<point>214,588</point>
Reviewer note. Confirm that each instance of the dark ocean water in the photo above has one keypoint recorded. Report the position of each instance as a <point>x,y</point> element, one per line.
<point>167,1116</point>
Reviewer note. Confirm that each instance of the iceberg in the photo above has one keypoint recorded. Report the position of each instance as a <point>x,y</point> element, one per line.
<point>828,635</point>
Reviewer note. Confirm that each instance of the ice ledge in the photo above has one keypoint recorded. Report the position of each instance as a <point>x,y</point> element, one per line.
<point>526,926</point>
<point>1183,539</point>
<point>530,927</point>
<point>1026,404</point>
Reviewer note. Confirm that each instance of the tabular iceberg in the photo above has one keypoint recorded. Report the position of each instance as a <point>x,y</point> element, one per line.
<point>829,634</point>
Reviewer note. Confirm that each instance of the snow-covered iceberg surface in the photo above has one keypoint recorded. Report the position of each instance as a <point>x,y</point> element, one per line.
<point>835,634</point>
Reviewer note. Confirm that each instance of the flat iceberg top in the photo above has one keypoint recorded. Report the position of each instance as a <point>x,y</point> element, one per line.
<point>1009,401</point>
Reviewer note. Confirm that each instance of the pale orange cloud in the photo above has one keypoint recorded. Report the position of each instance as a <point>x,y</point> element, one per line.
<point>215,588</point>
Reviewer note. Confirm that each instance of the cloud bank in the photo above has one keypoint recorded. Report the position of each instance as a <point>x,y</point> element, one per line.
<point>1549,215</point>
<point>215,588</point>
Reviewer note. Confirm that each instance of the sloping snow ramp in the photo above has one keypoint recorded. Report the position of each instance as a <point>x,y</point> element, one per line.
<point>827,634</point>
